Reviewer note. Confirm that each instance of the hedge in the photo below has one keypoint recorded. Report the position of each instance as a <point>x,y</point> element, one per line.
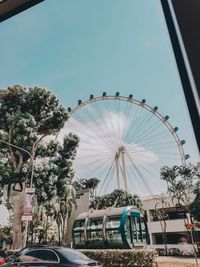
<point>7,252</point>
<point>121,257</point>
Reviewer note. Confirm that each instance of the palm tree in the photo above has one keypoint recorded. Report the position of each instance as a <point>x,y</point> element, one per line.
<point>57,217</point>
<point>92,185</point>
<point>66,205</point>
<point>49,212</point>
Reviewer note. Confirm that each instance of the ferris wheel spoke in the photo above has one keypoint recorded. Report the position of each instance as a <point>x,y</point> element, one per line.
<point>99,129</point>
<point>105,180</point>
<point>148,131</point>
<point>139,128</point>
<point>155,138</point>
<point>133,121</point>
<point>104,115</point>
<point>139,173</point>
<point>113,123</point>
<point>149,171</point>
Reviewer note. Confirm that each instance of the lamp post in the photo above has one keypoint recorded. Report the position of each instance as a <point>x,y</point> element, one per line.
<point>31,182</point>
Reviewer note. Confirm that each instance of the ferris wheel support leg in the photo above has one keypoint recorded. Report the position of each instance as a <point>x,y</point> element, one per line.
<point>117,165</point>
<point>124,172</point>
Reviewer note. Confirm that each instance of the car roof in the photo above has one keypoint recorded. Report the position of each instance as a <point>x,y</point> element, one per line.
<point>48,247</point>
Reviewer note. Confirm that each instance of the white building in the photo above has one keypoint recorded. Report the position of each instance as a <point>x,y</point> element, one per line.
<point>177,218</point>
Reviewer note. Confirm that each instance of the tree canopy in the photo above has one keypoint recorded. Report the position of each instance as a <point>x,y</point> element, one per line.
<point>181,181</point>
<point>195,205</point>
<point>26,117</point>
<point>118,198</point>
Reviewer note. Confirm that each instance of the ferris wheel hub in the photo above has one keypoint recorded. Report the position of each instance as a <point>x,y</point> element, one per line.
<point>121,150</point>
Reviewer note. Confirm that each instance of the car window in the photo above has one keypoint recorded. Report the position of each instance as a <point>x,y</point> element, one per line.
<point>73,255</point>
<point>23,251</point>
<point>39,256</point>
<point>26,258</point>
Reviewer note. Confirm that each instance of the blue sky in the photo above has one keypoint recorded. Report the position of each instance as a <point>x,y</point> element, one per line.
<point>76,48</point>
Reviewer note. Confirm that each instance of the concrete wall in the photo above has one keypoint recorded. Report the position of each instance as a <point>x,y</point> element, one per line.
<point>83,203</point>
<point>172,226</point>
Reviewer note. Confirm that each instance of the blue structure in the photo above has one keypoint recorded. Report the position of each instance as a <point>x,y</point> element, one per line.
<point>110,228</point>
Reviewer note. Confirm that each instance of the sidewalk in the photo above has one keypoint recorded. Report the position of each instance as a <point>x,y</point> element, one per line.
<point>176,262</point>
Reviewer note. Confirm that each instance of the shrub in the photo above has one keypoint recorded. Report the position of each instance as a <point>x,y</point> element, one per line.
<point>121,257</point>
<point>7,252</point>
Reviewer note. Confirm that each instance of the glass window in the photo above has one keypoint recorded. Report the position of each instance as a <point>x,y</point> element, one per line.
<point>95,224</point>
<point>135,224</point>
<point>113,222</point>
<point>127,228</point>
<point>79,225</point>
<point>26,258</point>
<point>142,224</point>
<point>41,256</point>
<point>73,255</point>
<point>79,238</point>
<point>95,236</point>
<point>114,237</point>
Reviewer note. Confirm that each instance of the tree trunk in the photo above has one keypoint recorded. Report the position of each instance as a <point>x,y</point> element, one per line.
<point>17,215</point>
<point>66,225</point>
<point>46,235</point>
<point>63,231</point>
<point>58,234</point>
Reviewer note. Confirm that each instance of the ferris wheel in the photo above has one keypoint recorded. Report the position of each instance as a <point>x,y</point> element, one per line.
<point>124,143</point>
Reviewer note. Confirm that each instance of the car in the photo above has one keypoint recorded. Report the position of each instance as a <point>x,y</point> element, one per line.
<point>2,260</point>
<point>47,256</point>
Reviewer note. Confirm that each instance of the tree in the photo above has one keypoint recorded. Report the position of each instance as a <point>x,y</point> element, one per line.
<point>194,206</point>
<point>54,182</point>
<point>162,216</point>
<point>84,184</point>
<point>27,116</point>
<point>181,181</point>
<point>66,205</point>
<point>118,198</point>
<point>92,184</point>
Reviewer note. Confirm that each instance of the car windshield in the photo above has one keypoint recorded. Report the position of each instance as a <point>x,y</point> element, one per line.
<point>73,255</point>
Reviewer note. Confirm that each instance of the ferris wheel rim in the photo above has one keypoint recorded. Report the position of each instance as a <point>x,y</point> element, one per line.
<point>142,104</point>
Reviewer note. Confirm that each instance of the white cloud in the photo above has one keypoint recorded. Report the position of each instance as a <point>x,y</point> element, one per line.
<point>100,140</point>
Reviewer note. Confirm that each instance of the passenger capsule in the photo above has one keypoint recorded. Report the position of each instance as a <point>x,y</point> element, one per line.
<point>119,228</point>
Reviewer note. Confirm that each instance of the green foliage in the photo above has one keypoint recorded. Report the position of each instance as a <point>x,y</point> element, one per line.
<point>118,198</point>
<point>84,184</point>
<point>195,205</point>
<point>6,234</point>
<point>116,257</point>
<point>26,117</point>
<point>53,179</point>
<point>181,181</point>
<point>64,161</point>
